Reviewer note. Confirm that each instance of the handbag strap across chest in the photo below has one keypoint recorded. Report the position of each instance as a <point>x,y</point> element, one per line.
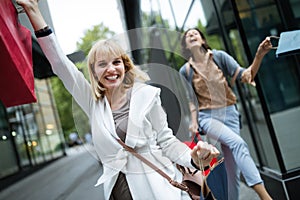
<point>150,164</point>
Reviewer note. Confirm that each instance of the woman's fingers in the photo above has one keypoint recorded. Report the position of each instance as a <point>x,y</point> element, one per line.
<point>267,43</point>
<point>203,155</point>
<point>193,129</point>
<point>27,3</point>
<point>204,151</point>
<point>265,46</point>
<point>215,152</point>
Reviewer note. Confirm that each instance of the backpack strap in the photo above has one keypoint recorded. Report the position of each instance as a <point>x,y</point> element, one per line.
<point>189,73</point>
<point>219,60</point>
<point>232,81</point>
<point>219,64</point>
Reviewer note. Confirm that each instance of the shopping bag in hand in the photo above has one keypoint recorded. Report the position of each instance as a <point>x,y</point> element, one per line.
<point>214,178</point>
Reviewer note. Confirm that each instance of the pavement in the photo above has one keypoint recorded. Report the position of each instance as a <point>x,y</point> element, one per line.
<point>72,178</point>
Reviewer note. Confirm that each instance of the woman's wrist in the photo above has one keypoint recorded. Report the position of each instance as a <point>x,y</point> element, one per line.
<point>43,32</point>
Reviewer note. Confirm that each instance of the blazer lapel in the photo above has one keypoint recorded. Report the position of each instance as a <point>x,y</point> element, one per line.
<point>141,98</point>
<point>108,119</point>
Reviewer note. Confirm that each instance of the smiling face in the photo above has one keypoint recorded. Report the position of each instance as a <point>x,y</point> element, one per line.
<point>193,39</point>
<point>109,70</point>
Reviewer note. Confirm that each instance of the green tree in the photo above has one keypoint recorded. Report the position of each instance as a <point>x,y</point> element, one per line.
<point>97,32</point>
<point>63,101</point>
<point>214,41</point>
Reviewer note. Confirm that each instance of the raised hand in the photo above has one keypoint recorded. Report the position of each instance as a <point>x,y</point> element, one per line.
<point>27,4</point>
<point>32,10</point>
<point>264,47</point>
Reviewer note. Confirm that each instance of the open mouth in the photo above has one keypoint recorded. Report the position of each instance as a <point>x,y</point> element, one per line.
<point>112,78</point>
<point>193,40</point>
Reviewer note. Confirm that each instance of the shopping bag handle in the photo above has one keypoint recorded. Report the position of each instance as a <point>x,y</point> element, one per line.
<point>274,37</point>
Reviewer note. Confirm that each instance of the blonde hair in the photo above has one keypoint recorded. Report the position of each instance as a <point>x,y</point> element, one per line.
<point>109,49</point>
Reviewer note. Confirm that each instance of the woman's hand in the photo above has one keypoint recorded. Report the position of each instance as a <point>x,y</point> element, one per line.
<point>203,153</point>
<point>193,128</point>
<point>264,47</point>
<point>28,4</point>
<point>247,77</point>
<point>32,10</point>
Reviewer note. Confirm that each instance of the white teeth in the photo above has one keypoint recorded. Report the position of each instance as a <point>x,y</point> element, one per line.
<point>112,77</point>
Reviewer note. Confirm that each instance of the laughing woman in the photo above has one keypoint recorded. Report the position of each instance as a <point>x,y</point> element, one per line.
<point>207,71</point>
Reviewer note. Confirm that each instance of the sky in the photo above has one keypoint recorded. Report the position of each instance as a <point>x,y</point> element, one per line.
<point>71,18</point>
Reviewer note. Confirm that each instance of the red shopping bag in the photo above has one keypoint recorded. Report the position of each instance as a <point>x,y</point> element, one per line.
<point>16,71</point>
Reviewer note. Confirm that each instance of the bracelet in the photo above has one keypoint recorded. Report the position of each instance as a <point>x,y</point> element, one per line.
<point>43,32</point>
<point>204,168</point>
<point>194,165</point>
<point>201,169</point>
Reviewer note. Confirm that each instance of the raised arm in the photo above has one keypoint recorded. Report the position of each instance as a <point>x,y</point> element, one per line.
<point>33,12</point>
<point>73,79</point>
<point>264,47</point>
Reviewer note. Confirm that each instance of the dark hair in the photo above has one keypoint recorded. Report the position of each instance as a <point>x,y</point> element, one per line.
<point>186,52</point>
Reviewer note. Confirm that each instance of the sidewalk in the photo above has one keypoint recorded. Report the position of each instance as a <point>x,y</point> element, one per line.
<point>71,178</point>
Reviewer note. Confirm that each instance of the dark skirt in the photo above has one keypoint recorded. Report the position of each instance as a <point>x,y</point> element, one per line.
<point>121,190</point>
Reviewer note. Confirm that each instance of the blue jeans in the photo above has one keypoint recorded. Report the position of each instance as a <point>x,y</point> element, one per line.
<point>222,125</point>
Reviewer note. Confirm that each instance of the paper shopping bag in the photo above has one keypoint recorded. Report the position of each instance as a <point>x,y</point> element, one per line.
<point>16,71</point>
<point>289,43</point>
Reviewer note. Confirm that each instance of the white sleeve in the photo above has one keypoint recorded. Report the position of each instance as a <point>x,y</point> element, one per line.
<point>171,146</point>
<point>73,80</point>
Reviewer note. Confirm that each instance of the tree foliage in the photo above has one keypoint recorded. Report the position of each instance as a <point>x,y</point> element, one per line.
<point>97,32</point>
<point>63,101</point>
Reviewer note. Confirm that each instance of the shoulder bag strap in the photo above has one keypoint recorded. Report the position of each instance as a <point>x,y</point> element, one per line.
<point>147,162</point>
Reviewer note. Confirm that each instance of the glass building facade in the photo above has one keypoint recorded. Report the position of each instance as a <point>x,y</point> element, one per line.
<point>30,136</point>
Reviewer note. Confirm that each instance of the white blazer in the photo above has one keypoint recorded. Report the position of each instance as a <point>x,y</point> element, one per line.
<point>147,133</point>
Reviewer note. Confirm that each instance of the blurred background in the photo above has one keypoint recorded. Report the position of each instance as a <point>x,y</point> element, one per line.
<point>40,122</point>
